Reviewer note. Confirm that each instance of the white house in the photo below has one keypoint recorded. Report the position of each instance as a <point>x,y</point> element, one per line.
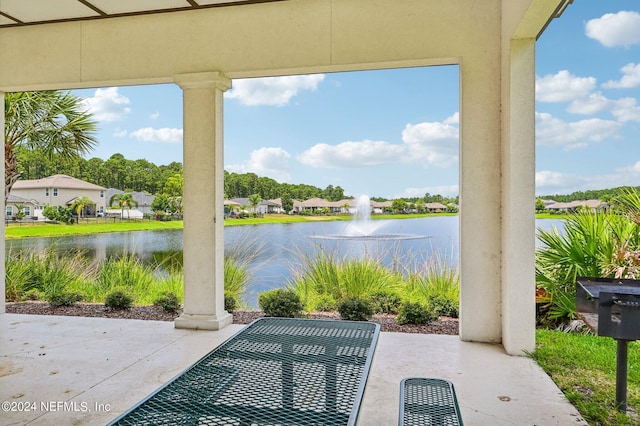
<point>16,204</point>
<point>58,191</point>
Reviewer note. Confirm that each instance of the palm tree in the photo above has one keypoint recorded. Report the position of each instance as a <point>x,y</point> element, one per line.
<point>52,122</point>
<point>254,200</point>
<point>124,200</point>
<point>80,205</point>
<point>20,213</point>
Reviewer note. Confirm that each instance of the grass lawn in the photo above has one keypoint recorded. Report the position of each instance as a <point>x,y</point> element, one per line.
<point>552,216</point>
<point>90,226</point>
<point>584,368</point>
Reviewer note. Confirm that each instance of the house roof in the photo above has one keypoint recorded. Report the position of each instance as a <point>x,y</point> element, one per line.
<point>435,206</point>
<point>316,202</point>
<point>57,181</point>
<point>142,198</point>
<point>16,199</point>
<point>593,204</point>
<point>245,202</point>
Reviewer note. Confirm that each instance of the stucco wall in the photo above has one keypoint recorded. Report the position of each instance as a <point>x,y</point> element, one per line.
<point>310,36</point>
<point>295,36</point>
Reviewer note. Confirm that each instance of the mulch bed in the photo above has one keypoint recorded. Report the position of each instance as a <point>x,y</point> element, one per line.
<point>154,313</point>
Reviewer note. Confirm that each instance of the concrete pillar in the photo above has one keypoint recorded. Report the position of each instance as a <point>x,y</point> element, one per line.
<point>518,199</point>
<point>480,185</point>
<point>203,201</point>
<point>2,208</point>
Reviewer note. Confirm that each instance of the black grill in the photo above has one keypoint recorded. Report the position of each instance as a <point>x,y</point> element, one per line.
<point>611,307</point>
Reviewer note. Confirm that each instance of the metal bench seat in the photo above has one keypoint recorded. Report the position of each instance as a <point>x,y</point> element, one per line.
<point>428,402</point>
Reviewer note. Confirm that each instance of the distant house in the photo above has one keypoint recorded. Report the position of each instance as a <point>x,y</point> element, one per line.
<point>16,204</point>
<point>58,191</point>
<point>380,207</point>
<point>132,213</point>
<point>314,204</point>
<point>143,199</point>
<point>593,205</point>
<point>263,207</point>
<point>435,207</point>
<point>347,205</point>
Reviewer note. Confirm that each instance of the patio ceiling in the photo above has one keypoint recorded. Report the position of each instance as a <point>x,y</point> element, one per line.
<point>31,12</point>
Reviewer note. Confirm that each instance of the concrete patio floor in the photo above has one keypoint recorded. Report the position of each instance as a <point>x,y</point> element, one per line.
<point>87,371</point>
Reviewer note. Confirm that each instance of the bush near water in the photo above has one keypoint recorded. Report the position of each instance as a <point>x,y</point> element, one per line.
<point>321,284</point>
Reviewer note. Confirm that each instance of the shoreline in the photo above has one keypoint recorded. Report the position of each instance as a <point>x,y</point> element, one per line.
<point>48,230</point>
<point>45,230</point>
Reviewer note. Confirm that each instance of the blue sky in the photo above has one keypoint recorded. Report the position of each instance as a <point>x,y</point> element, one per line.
<point>394,133</point>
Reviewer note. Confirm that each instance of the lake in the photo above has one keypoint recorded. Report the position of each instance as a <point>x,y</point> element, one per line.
<point>278,247</point>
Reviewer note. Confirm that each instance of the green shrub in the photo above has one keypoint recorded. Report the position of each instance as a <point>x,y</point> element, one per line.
<point>63,297</point>
<point>230,302</point>
<point>280,303</point>
<point>168,301</point>
<point>385,302</point>
<point>443,306</point>
<point>326,303</point>
<point>18,276</point>
<point>119,298</point>
<point>33,294</point>
<point>415,313</point>
<point>355,309</point>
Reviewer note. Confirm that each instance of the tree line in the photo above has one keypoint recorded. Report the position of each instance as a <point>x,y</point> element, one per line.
<point>116,172</point>
<point>50,132</point>
<point>605,195</point>
<point>144,176</point>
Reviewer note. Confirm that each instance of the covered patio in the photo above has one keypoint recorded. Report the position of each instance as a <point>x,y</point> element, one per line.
<point>202,46</point>
<point>87,371</point>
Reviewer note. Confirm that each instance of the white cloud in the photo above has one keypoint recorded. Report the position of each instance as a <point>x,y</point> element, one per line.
<point>570,135</point>
<point>453,120</point>
<point>549,182</point>
<point>352,154</point>
<point>165,135</point>
<point>120,133</point>
<point>615,29</point>
<point>267,161</point>
<point>563,87</point>
<point>273,91</point>
<point>429,143</point>
<point>444,190</point>
<point>433,143</point>
<point>154,115</point>
<point>549,179</point>
<point>626,109</point>
<point>629,80</point>
<point>635,169</point>
<point>107,105</point>
<point>589,105</point>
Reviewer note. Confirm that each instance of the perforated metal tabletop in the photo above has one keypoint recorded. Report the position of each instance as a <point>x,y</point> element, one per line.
<point>275,371</point>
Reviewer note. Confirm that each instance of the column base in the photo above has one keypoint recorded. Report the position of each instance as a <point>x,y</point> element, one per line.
<point>204,322</point>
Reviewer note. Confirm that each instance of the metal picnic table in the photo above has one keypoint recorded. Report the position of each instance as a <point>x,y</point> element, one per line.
<point>275,371</point>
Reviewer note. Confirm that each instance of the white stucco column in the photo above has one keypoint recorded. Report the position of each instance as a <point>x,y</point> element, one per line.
<point>203,201</point>
<point>518,199</point>
<point>2,208</point>
<point>480,183</point>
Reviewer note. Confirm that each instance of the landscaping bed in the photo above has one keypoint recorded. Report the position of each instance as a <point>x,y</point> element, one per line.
<point>443,325</point>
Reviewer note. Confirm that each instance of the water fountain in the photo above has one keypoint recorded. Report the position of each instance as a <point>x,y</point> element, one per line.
<point>362,227</point>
